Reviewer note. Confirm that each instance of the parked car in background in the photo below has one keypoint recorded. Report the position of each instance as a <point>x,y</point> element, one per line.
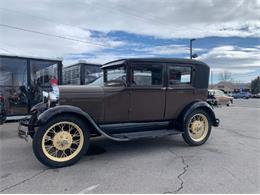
<point>2,109</point>
<point>256,95</point>
<point>242,95</point>
<point>217,97</point>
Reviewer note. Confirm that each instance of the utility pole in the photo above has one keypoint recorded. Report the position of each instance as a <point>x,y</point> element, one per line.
<point>191,40</point>
<point>211,79</point>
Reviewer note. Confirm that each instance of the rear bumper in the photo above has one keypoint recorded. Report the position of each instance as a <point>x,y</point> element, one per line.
<point>216,122</point>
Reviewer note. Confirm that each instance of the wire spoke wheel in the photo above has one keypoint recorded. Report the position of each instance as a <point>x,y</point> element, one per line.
<point>198,127</point>
<point>62,141</point>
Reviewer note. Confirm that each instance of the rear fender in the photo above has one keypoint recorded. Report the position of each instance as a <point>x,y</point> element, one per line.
<point>198,105</point>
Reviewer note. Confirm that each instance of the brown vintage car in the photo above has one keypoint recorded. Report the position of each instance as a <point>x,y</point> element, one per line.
<point>137,98</point>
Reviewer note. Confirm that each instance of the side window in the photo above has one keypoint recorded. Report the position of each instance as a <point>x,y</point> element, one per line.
<point>147,75</point>
<point>179,75</point>
<point>115,73</point>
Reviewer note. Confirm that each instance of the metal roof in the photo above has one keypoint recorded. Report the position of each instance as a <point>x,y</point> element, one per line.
<point>83,63</point>
<point>58,59</point>
<point>163,60</point>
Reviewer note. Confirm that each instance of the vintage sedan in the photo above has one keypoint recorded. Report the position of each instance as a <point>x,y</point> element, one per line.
<point>138,98</point>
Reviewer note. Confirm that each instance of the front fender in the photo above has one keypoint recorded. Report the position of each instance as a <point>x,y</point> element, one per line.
<point>198,105</point>
<point>66,109</point>
<point>62,109</point>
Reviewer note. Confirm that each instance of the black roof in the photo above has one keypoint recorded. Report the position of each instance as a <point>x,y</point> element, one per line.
<point>166,60</point>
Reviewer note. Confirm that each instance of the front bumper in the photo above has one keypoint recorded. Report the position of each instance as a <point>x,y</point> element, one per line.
<point>28,127</point>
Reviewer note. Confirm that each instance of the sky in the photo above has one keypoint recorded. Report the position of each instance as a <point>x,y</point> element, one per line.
<point>227,32</point>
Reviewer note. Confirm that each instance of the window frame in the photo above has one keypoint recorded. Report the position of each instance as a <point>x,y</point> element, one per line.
<point>181,85</point>
<point>131,75</point>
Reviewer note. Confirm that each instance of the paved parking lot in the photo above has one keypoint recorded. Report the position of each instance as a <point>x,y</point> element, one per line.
<point>228,163</point>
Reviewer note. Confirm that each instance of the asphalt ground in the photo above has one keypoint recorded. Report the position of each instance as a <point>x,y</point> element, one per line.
<point>228,163</point>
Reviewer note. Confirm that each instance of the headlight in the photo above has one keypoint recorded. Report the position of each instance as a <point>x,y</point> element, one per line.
<point>45,96</point>
<point>52,97</point>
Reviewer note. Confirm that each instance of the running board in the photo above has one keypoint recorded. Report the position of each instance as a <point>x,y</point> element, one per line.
<point>145,134</point>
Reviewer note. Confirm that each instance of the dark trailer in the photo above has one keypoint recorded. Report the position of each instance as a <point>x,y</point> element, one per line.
<point>22,80</point>
<point>81,73</point>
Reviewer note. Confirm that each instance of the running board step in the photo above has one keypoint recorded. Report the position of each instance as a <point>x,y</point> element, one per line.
<point>145,134</point>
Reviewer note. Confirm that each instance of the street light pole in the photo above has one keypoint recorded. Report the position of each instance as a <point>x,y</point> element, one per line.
<point>191,40</point>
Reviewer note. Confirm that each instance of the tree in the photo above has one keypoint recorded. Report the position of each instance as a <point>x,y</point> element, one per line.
<point>225,76</point>
<point>255,85</point>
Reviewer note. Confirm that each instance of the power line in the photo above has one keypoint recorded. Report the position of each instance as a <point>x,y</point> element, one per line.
<point>51,35</point>
<point>41,18</point>
<point>5,50</point>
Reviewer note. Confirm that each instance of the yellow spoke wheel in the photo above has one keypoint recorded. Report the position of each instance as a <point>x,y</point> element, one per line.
<point>198,127</point>
<point>62,141</point>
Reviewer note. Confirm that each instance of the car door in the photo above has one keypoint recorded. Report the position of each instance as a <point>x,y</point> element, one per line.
<point>180,90</point>
<point>147,92</point>
<point>116,95</point>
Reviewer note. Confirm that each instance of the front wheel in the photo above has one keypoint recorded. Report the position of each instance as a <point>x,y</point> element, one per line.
<point>197,128</point>
<point>61,142</point>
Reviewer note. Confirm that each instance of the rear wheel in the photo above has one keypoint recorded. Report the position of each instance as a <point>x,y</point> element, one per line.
<point>61,142</point>
<point>229,103</point>
<point>197,128</point>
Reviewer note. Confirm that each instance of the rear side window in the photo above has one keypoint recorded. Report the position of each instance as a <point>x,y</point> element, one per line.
<point>147,75</point>
<point>179,75</point>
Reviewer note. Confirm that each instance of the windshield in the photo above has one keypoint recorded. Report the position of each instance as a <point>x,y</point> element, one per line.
<point>98,82</point>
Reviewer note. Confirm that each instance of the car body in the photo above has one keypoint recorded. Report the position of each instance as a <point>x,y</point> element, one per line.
<point>217,97</point>
<point>256,95</point>
<point>147,97</point>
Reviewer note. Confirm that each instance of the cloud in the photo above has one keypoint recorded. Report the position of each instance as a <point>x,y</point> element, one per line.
<point>163,20</point>
<point>235,59</point>
<point>170,49</point>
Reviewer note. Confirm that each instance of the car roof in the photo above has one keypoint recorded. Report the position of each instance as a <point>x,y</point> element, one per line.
<point>159,60</point>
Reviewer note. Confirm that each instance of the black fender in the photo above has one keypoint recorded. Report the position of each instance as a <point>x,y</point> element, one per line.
<point>48,114</point>
<point>198,105</point>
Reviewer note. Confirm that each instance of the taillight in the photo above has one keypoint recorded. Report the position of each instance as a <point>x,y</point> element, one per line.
<point>1,98</point>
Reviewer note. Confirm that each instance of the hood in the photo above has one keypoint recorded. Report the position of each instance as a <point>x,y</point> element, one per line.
<point>89,99</point>
<point>79,89</point>
<point>69,93</point>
